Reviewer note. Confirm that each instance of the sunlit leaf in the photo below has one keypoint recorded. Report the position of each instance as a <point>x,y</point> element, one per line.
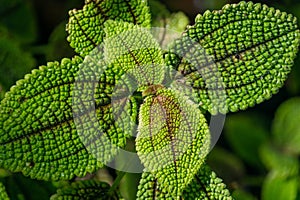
<point>236,57</point>
<point>205,185</point>
<point>85,26</point>
<point>173,138</point>
<point>38,135</point>
<point>89,190</point>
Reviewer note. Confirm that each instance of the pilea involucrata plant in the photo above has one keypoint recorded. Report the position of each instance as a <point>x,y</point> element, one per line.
<point>137,94</point>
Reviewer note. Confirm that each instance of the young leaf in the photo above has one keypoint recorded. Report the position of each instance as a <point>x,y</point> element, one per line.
<point>248,53</point>
<point>90,190</point>
<point>38,134</point>
<point>173,138</point>
<point>280,188</point>
<point>205,185</point>
<point>85,26</point>
<point>3,194</point>
<point>286,127</point>
<point>133,49</point>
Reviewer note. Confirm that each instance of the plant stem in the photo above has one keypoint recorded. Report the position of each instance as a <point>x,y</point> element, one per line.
<point>116,182</point>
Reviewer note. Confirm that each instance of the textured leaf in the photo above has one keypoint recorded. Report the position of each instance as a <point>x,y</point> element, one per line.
<point>173,138</point>
<point>3,194</point>
<point>205,185</point>
<point>89,190</point>
<point>38,135</point>
<point>286,128</point>
<point>133,49</point>
<point>85,26</point>
<point>236,57</point>
<point>64,120</point>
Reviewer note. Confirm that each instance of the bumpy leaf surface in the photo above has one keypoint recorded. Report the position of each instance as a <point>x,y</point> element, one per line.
<point>89,190</point>
<point>173,138</point>
<point>3,194</point>
<point>69,118</point>
<point>236,57</point>
<point>205,185</point>
<point>38,134</point>
<point>85,26</point>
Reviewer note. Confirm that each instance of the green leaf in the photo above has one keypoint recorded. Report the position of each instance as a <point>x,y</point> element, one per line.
<point>133,49</point>
<point>38,134</point>
<point>236,57</point>
<point>85,26</point>
<point>242,195</point>
<point>205,185</point>
<point>280,188</point>
<point>2,92</point>
<point>162,18</point>
<point>286,128</point>
<point>20,188</point>
<point>225,164</point>
<point>281,164</point>
<point>173,138</point>
<point>58,47</point>
<point>3,194</point>
<point>89,190</point>
<point>246,133</point>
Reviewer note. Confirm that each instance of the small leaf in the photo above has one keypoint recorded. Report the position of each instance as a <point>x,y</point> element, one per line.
<point>280,188</point>
<point>166,26</point>
<point>286,127</point>
<point>236,57</point>
<point>173,138</point>
<point>3,194</point>
<point>281,164</point>
<point>85,26</point>
<point>205,185</point>
<point>89,190</point>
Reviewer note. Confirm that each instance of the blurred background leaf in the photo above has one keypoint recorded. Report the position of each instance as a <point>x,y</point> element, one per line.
<point>19,187</point>
<point>245,133</point>
<point>18,17</point>
<point>286,126</point>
